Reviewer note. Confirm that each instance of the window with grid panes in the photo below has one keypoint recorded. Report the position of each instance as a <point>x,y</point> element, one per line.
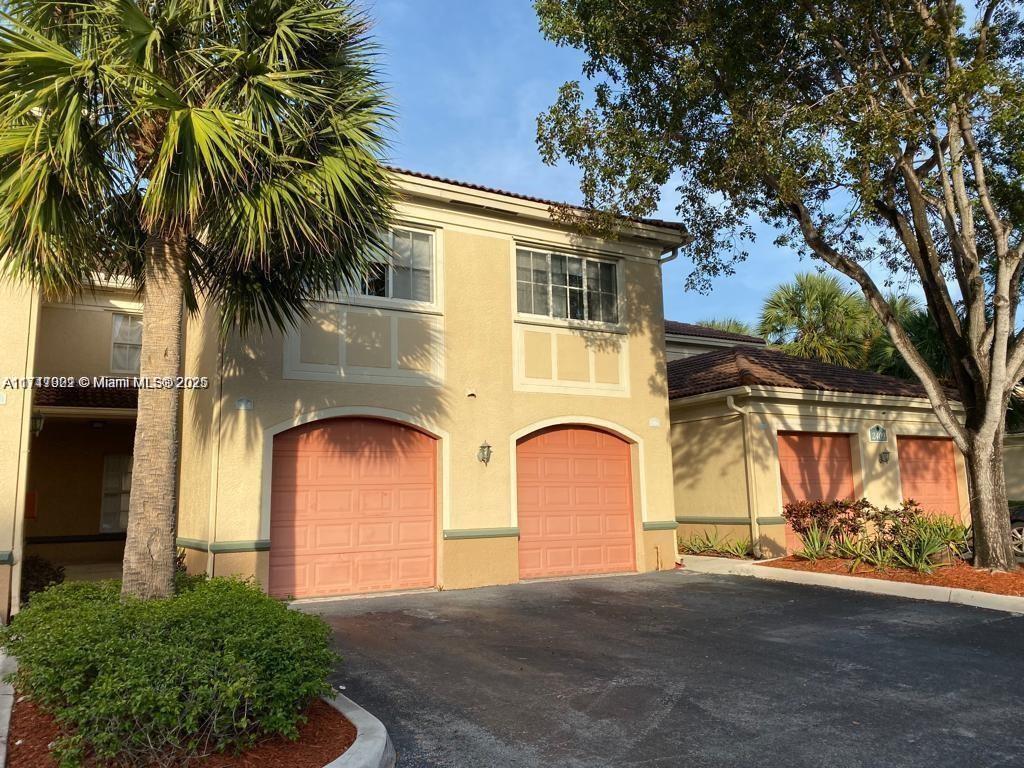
<point>569,287</point>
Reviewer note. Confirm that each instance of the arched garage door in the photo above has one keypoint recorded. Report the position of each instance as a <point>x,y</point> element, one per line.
<point>575,497</point>
<point>352,509</point>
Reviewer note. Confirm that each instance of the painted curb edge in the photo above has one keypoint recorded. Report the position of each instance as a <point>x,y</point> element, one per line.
<point>372,747</point>
<point>953,595</point>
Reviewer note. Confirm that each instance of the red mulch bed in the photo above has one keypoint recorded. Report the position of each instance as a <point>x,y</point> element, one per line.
<point>958,576</point>
<point>325,736</point>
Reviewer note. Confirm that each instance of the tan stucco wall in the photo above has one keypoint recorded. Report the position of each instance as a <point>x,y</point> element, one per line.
<point>716,434</point>
<point>481,397</point>
<point>708,470</point>
<point>478,562</point>
<point>20,317</point>
<point>75,338</point>
<point>199,436</point>
<point>1013,463</point>
<point>241,564</point>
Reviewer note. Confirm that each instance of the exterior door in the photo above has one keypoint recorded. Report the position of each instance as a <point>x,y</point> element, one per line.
<point>928,474</point>
<point>814,466</point>
<point>352,509</point>
<point>575,495</point>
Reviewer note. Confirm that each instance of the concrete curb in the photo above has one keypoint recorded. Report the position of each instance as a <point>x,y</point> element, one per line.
<point>7,666</point>
<point>372,747</point>
<point>730,566</point>
<point>1006,603</point>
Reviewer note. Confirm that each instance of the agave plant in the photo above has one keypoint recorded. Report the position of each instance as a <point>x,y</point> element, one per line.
<point>217,151</point>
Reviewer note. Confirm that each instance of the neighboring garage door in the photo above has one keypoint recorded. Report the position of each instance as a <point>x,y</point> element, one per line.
<point>575,503</point>
<point>928,474</point>
<point>814,466</point>
<point>352,509</point>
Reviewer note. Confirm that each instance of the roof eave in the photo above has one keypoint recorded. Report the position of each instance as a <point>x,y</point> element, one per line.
<point>437,191</point>
<point>712,340</point>
<point>797,394</point>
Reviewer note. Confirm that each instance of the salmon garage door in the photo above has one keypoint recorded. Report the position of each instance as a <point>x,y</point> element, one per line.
<point>575,503</point>
<point>813,467</point>
<point>928,474</point>
<point>352,509</point>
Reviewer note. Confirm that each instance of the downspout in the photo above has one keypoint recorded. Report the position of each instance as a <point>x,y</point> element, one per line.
<point>748,466</point>
<point>672,256</point>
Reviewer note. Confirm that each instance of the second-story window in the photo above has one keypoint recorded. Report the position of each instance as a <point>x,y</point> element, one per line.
<point>570,287</point>
<point>409,273</point>
<point>126,343</point>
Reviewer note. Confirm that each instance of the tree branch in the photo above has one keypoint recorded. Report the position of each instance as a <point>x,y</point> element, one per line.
<point>932,386</point>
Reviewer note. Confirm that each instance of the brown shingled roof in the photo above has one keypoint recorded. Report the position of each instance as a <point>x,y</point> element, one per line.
<point>86,397</point>
<point>691,329</point>
<point>752,366</point>
<point>677,225</point>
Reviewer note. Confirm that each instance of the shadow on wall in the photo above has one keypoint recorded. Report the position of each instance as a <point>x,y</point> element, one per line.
<point>710,478</point>
<point>642,315</point>
<point>257,361</point>
<point>707,463</point>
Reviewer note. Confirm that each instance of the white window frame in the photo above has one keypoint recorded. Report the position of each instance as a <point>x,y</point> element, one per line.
<point>549,319</point>
<point>356,298</point>
<point>114,341</point>
<point>108,462</point>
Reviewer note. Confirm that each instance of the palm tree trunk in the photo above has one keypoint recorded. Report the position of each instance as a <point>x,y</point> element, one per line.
<point>152,516</point>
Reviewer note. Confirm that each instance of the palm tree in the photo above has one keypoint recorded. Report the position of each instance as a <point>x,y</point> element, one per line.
<point>729,325</point>
<point>816,317</point>
<point>223,151</point>
<point>883,357</point>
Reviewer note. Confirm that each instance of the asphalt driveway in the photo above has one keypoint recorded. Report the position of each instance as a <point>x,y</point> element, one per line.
<point>679,669</point>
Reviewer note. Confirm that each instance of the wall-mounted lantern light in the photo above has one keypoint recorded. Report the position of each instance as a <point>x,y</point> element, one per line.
<point>37,424</point>
<point>484,454</point>
<point>883,457</point>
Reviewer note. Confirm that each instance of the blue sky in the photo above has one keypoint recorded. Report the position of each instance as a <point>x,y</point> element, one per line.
<point>469,78</point>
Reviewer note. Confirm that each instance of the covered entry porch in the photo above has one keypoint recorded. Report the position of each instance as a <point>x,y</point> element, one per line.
<point>79,481</point>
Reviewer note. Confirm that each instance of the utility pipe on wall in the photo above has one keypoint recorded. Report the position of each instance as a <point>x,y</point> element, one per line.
<point>748,466</point>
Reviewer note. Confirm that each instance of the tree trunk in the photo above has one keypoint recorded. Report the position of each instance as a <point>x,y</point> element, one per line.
<point>152,516</point>
<point>990,514</point>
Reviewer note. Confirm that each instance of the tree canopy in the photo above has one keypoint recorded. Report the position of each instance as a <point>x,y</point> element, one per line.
<point>252,131</point>
<point>884,138</point>
<point>872,133</point>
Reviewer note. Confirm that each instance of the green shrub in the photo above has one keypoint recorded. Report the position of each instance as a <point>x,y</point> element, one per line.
<point>901,537</point>
<point>141,683</point>
<point>705,543</point>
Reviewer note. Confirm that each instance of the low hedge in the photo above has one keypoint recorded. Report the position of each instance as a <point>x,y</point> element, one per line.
<point>142,683</point>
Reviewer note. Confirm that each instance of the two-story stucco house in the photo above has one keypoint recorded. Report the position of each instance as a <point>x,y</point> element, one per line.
<point>491,406</point>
